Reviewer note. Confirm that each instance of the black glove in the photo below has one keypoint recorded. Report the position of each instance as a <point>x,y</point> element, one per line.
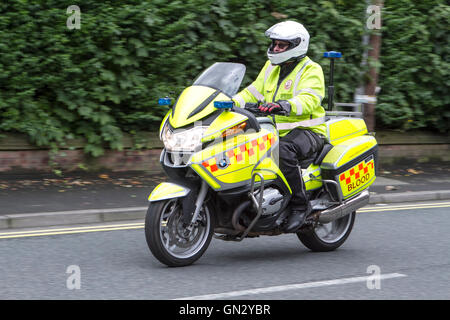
<point>251,105</point>
<point>279,107</point>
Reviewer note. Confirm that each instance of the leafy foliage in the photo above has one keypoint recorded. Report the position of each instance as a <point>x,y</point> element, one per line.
<point>104,79</point>
<point>415,58</point>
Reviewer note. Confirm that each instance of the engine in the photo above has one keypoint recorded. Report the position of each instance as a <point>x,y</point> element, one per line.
<point>271,201</point>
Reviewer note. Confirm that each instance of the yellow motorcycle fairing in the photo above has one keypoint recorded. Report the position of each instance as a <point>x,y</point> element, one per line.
<point>193,104</point>
<point>230,162</point>
<point>223,122</point>
<point>270,171</point>
<point>352,160</point>
<point>167,190</point>
<point>315,182</point>
<point>341,129</point>
<point>163,122</point>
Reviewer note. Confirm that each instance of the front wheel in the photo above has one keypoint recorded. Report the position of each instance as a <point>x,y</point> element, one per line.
<point>328,236</point>
<point>169,240</point>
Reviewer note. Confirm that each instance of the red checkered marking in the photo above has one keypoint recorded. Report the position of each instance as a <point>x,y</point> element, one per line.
<point>354,172</point>
<point>244,151</point>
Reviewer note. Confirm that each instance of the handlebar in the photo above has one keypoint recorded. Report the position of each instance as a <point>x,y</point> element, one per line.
<point>258,113</point>
<point>255,110</point>
<point>253,122</point>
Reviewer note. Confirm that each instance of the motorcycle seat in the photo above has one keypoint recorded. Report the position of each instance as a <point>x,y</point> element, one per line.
<point>321,155</point>
<point>318,159</point>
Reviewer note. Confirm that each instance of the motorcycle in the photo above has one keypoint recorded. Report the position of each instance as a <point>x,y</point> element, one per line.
<point>224,181</point>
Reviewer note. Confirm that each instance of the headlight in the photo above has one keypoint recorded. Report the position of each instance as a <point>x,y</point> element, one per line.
<point>183,140</point>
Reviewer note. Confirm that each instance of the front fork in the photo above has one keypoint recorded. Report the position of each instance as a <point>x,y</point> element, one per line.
<point>198,206</point>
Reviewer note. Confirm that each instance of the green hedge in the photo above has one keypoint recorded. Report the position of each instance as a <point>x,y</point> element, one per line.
<point>104,79</point>
<point>415,66</point>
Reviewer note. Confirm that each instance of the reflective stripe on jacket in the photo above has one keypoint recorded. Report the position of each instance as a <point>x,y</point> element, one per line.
<point>304,88</point>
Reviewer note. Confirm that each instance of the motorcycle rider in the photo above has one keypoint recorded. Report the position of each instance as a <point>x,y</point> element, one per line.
<point>291,82</point>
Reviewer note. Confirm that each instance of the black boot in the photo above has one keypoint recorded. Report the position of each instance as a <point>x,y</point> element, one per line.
<point>297,219</point>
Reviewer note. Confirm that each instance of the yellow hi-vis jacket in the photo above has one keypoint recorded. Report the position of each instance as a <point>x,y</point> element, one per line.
<point>304,88</point>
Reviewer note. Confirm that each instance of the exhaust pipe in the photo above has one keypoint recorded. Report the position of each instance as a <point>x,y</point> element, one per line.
<point>345,208</point>
<point>236,215</point>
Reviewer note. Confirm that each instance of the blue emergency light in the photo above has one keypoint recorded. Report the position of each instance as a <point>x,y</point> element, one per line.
<point>164,101</point>
<point>223,105</point>
<point>332,54</point>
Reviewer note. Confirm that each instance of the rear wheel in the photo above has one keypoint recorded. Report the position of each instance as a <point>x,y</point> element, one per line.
<point>328,236</point>
<point>169,240</point>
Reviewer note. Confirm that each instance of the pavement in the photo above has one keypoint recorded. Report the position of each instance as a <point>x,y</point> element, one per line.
<point>37,200</point>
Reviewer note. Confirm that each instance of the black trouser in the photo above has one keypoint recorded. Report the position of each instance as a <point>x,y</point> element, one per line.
<point>296,148</point>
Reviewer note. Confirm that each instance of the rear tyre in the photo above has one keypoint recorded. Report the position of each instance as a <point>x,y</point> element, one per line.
<point>169,241</point>
<point>329,236</point>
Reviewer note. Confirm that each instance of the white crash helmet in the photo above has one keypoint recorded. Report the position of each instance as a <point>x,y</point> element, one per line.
<point>294,33</point>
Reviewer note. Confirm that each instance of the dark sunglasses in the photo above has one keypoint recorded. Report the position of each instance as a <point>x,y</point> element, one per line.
<point>280,45</point>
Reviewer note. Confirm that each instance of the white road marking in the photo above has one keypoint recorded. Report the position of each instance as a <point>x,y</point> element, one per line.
<point>234,294</point>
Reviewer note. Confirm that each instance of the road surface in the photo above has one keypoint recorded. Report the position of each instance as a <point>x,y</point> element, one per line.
<point>407,245</point>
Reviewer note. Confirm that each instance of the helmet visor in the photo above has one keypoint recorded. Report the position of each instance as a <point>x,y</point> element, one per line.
<point>283,45</point>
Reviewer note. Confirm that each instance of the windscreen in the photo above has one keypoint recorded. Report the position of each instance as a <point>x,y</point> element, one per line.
<point>225,76</point>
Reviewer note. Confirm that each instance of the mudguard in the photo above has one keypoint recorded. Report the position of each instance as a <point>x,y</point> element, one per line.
<point>168,190</point>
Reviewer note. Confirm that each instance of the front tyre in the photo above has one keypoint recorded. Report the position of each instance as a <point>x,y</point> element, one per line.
<point>169,240</point>
<point>329,236</point>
